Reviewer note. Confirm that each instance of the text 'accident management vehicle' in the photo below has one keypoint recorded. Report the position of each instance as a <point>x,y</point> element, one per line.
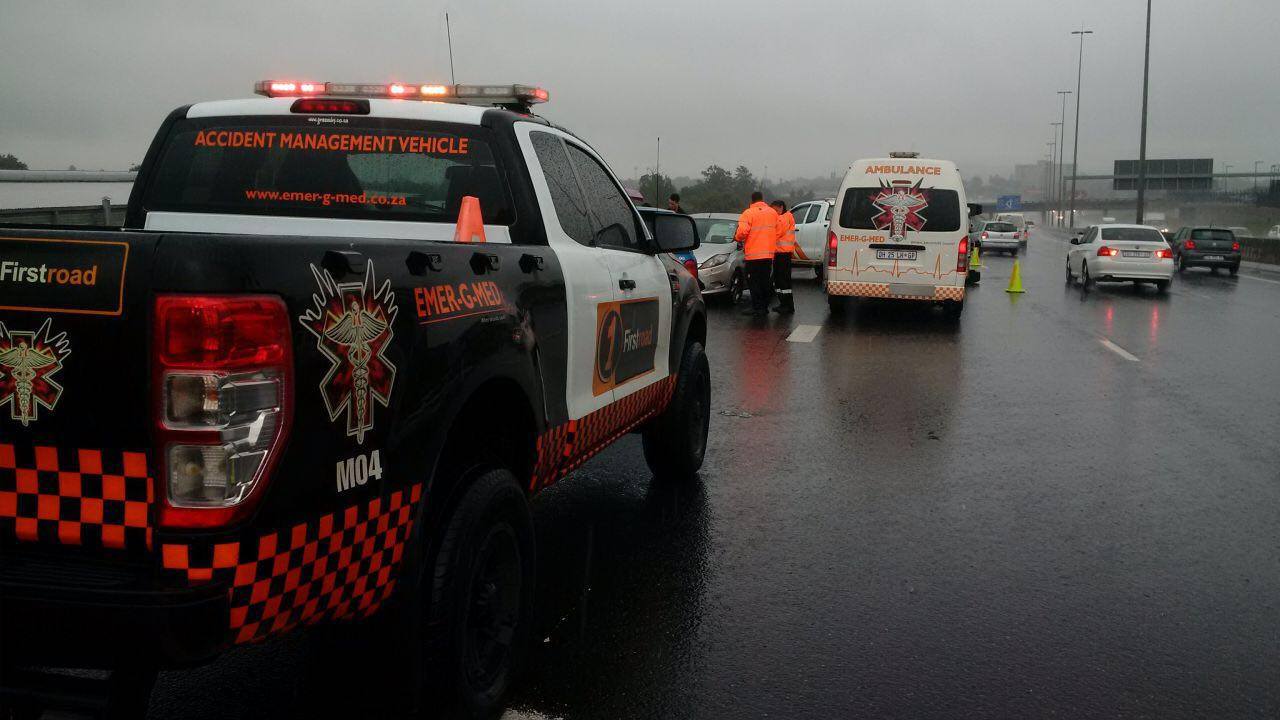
<point>899,231</point>
<point>346,332</point>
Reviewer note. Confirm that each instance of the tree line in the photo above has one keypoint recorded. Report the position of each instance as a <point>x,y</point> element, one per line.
<point>719,189</point>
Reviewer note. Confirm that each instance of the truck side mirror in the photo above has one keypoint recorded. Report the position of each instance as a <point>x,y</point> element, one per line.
<point>674,233</point>
<point>974,209</point>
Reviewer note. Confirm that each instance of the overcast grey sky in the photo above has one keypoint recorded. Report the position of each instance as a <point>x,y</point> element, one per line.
<point>802,87</point>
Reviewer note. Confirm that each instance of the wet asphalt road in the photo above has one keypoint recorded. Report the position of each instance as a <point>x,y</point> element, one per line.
<point>903,518</point>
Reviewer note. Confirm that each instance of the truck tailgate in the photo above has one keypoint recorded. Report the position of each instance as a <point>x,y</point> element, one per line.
<point>73,373</point>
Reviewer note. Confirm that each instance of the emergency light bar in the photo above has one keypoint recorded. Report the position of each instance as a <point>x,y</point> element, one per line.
<point>521,95</point>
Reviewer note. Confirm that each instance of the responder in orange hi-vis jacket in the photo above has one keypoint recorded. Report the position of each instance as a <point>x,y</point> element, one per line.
<point>782,258</point>
<point>758,233</point>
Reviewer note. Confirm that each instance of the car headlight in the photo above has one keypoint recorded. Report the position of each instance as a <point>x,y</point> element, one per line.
<point>715,260</point>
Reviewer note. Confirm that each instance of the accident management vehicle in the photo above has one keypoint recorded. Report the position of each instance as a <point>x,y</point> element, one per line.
<point>346,332</point>
<point>899,231</point>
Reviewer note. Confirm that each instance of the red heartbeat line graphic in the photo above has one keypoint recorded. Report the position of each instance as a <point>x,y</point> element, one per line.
<point>897,273</point>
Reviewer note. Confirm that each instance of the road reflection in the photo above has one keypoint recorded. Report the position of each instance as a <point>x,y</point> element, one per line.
<point>623,568</point>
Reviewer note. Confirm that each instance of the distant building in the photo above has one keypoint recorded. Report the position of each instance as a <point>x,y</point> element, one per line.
<point>1033,179</point>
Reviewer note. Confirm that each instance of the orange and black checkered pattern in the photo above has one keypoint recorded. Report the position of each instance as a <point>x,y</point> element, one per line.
<point>948,293</point>
<point>564,448</point>
<point>342,565</point>
<point>70,496</point>
<point>882,290</point>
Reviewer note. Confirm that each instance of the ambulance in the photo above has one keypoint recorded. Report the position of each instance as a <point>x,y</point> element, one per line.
<point>900,232</point>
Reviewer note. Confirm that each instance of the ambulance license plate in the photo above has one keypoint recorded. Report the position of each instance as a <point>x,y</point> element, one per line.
<point>895,254</point>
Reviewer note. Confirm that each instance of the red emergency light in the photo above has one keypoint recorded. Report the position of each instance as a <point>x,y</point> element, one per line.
<point>518,95</point>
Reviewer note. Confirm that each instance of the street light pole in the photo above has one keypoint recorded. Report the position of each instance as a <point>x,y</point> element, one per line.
<point>1257,165</point>
<point>1057,128</point>
<point>1142,146</point>
<point>1062,147</point>
<point>1075,145</point>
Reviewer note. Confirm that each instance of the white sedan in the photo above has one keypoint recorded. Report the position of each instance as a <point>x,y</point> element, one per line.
<point>1119,253</point>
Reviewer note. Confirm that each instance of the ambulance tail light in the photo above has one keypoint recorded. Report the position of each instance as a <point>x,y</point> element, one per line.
<point>1105,251</point>
<point>223,379</point>
<point>962,256</point>
<point>832,246</point>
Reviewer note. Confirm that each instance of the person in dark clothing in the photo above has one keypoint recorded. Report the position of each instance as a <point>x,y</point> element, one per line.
<point>673,203</point>
<point>782,258</point>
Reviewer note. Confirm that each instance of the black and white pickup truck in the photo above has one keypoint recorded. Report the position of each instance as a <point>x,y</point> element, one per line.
<point>345,334</point>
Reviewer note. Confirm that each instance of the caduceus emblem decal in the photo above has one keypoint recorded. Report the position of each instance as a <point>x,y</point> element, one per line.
<point>28,362</point>
<point>900,204</point>
<point>352,326</point>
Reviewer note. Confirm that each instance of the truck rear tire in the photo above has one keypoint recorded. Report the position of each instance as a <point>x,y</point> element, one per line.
<point>837,304</point>
<point>675,442</point>
<point>479,599</point>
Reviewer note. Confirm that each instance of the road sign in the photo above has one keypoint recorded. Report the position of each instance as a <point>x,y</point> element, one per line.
<point>1178,174</point>
<point>1009,203</point>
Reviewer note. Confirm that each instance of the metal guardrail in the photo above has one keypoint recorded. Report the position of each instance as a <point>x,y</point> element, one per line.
<point>62,176</point>
<point>1263,250</point>
<point>101,214</point>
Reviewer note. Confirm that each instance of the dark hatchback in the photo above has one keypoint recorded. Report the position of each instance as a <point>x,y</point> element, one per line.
<point>1206,247</point>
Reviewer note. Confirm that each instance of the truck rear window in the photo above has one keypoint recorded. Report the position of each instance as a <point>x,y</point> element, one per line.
<point>926,209</point>
<point>365,168</point>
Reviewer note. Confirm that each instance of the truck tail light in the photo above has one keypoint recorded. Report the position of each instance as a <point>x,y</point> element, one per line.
<point>1105,251</point>
<point>223,385</point>
<point>1190,245</point>
<point>1235,246</point>
<point>962,256</point>
<point>832,246</point>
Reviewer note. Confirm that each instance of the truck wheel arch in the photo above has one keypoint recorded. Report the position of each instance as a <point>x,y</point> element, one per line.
<point>691,327</point>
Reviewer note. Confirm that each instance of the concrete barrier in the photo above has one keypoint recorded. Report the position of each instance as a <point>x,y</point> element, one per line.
<point>104,214</point>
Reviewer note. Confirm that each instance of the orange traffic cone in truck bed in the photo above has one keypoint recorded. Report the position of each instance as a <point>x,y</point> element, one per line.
<point>470,221</point>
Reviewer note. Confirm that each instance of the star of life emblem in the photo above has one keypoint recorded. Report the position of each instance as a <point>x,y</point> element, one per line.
<point>900,203</point>
<point>352,326</point>
<point>28,363</point>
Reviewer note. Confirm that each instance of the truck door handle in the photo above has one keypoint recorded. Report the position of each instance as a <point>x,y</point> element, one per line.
<point>625,284</point>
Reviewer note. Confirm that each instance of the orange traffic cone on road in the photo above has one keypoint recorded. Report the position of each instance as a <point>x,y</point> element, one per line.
<point>1015,280</point>
<point>470,222</point>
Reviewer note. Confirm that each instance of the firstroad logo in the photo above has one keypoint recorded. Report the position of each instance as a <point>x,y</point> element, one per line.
<point>626,342</point>
<point>12,271</point>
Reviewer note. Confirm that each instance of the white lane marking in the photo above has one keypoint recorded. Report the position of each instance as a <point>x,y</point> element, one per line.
<point>1252,277</point>
<point>804,333</point>
<point>1119,350</point>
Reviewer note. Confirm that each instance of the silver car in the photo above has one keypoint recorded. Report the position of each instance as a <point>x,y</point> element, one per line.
<point>721,263</point>
<point>1000,235</point>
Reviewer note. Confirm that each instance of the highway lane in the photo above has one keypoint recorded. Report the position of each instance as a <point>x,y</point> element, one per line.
<point>899,517</point>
